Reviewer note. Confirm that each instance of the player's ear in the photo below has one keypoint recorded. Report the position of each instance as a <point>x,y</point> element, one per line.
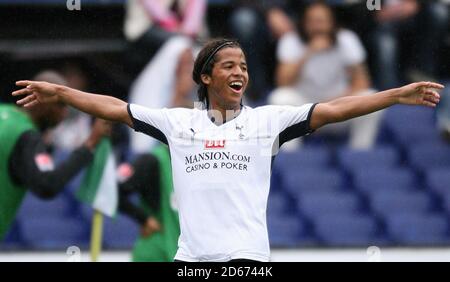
<point>206,79</point>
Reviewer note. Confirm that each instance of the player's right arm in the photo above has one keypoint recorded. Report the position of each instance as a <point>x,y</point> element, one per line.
<point>102,106</point>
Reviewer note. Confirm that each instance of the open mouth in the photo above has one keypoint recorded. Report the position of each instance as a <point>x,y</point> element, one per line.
<point>236,85</point>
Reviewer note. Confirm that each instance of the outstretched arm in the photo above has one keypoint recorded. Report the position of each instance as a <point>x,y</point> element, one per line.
<point>105,107</point>
<point>341,109</point>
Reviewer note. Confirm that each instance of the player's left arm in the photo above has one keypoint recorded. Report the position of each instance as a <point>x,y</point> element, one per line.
<point>344,108</point>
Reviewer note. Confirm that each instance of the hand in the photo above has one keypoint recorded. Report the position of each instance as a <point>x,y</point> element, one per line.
<point>420,93</point>
<point>100,129</point>
<point>150,226</point>
<point>400,11</point>
<point>319,43</point>
<point>278,22</point>
<point>37,92</point>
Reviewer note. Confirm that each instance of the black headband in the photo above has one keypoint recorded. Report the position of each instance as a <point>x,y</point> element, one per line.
<point>214,53</point>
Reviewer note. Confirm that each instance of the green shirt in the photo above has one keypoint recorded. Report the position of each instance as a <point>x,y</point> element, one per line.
<point>13,123</point>
<point>161,246</point>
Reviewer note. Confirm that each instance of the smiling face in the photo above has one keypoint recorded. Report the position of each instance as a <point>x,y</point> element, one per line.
<point>228,80</point>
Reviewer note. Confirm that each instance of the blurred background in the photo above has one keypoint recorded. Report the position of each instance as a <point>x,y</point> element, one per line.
<point>379,181</point>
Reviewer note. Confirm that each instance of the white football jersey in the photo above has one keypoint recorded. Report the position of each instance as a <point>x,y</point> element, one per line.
<point>221,174</point>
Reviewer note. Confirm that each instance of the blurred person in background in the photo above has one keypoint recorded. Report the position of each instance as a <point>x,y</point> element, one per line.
<point>257,25</point>
<point>410,27</point>
<point>74,129</point>
<point>25,163</point>
<point>150,23</point>
<point>161,33</point>
<point>321,62</point>
<point>150,177</point>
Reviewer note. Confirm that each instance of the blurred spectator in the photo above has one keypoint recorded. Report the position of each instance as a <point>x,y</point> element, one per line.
<point>24,159</point>
<point>410,27</point>
<point>161,32</point>
<point>164,82</point>
<point>322,62</point>
<point>150,23</point>
<point>75,128</point>
<point>257,25</point>
<point>150,177</point>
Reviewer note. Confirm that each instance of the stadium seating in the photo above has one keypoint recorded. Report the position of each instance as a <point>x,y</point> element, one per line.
<point>380,178</point>
<point>54,232</point>
<point>33,206</point>
<point>119,232</point>
<point>277,204</point>
<point>346,229</point>
<point>446,202</point>
<point>13,238</point>
<point>386,203</point>
<point>438,180</point>
<point>418,229</point>
<point>428,155</point>
<point>287,231</point>
<point>319,203</point>
<point>311,157</point>
<point>297,181</point>
<point>397,193</point>
<point>382,156</point>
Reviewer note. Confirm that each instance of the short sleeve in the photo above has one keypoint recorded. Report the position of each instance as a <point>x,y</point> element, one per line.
<point>351,47</point>
<point>292,115</point>
<point>152,122</point>
<point>290,48</point>
<point>294,122</point>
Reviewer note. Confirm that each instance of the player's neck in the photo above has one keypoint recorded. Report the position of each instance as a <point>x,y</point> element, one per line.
<point>220,115</point>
